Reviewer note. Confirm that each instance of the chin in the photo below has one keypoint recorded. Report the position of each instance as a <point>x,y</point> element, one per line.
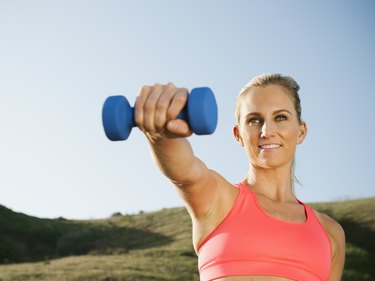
<point>272,163</point>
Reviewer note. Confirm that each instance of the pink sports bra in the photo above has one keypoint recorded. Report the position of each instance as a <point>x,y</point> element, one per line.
<point>251,242</point>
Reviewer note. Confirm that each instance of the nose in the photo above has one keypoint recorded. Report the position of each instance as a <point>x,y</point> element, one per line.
<point>267,130</point>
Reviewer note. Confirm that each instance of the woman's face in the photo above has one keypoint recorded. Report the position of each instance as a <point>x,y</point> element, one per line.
<point>268,128</point>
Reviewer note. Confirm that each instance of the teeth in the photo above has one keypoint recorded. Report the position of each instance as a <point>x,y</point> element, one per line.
<point>269,146</point>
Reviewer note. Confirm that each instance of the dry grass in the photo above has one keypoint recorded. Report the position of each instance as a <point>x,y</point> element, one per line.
<point>137,265</point>
<point>157,246</point>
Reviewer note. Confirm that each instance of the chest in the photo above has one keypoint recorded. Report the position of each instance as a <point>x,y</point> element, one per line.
<point>288,212</point>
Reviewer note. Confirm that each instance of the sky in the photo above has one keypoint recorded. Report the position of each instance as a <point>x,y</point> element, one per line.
<point>59,60</point>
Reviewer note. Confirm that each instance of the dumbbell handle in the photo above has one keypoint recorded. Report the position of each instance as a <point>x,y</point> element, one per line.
<point>200,112</point>
<point>182,115</point>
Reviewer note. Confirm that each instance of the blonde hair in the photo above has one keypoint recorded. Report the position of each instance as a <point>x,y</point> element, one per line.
<point>292,88</point>
<point>272,79</point>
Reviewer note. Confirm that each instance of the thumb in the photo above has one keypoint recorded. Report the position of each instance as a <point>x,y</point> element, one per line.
<point>179,128</point>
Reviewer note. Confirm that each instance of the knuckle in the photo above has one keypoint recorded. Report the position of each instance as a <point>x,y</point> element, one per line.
<point>145,87</point>
<point>170,86</point>
<point>161,107</point>
<point>157,86</point>
<point>144,91</point>
<point>181,98</point>
<point>139,100</point>
<point>148,107</point>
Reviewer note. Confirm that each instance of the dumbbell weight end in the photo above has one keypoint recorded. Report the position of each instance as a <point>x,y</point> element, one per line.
<point>117,118</point>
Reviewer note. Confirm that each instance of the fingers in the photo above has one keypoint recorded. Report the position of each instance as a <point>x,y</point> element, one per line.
<point>163,106</point>
<point>178,102</point>
<point>156,105</point>
<point>149,108</point>
<point>138,107</point>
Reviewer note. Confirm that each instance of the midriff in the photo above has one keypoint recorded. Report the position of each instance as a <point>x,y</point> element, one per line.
<point>253,278</point>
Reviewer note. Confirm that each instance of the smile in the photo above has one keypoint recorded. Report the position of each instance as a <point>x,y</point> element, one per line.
<point>269,146</point>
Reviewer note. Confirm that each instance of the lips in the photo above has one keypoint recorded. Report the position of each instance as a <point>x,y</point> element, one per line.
<point>269,146</point>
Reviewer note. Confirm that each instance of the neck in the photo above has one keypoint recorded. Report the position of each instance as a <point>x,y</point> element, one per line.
<point>276,184</point>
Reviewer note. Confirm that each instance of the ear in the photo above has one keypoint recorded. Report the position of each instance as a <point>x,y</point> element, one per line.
<point>237,136</point>
<point>302,132</point>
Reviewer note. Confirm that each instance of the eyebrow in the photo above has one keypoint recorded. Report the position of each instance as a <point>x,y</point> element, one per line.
<point>274,113</point>
<point>282,110</point>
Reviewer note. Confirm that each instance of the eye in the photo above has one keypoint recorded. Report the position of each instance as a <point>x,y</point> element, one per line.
<point>281,117</point>
<point>254,120</point>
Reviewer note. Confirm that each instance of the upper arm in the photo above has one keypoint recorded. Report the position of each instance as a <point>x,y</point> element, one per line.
<point>204,194</point>
<point>338,258</point>
<point>337,239</point>
<point>201,188</point>
<point>208,201</point>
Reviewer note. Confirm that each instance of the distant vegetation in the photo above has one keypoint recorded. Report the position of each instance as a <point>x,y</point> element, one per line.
<point>147,246</point>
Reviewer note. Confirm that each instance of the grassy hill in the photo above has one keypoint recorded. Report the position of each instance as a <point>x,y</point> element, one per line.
<point>147,246</point>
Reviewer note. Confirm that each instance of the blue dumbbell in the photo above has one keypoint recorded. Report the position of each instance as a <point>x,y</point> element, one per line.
<point>200,112</point>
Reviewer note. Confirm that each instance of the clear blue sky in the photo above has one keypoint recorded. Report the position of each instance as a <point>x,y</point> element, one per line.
<point>59,60</point>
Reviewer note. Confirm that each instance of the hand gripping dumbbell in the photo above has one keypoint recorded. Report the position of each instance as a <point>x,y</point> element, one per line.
<point>200,112</point>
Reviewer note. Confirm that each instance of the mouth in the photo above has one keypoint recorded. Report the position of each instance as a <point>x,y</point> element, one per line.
<point>269,146</point>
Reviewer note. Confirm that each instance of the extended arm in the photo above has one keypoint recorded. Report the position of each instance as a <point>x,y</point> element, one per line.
<point>156,110</point>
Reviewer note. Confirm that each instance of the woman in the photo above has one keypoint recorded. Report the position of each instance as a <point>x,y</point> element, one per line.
<point>257,229</point>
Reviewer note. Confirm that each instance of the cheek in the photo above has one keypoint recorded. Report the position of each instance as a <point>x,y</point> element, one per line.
<point>251,141</point>
<point>252,134</point>
<point>291,135</point>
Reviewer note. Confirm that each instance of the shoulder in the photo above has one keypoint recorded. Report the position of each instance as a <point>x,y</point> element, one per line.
<point>211,198</point>
<point>332,227</point>
<point>336,235</point>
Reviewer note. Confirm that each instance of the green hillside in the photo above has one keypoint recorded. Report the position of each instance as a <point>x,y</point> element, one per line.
<point>146,246</point>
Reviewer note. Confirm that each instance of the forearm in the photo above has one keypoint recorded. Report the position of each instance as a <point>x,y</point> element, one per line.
<point>156,111</point>
<point>176,160</point>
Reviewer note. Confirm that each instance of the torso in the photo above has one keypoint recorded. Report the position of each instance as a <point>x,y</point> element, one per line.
<point>253,278</point>
<point>291,211</point>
